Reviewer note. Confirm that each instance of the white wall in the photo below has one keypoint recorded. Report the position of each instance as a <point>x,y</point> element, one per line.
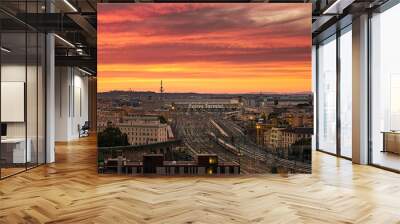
<point>13,73</point>
<point>62,81</point>
<point>71,94</point>
<point>17,73</point>
<point>80,110</point>
<point>33,126</point>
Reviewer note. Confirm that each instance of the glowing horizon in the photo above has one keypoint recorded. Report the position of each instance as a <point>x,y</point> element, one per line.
<point>205,48</point>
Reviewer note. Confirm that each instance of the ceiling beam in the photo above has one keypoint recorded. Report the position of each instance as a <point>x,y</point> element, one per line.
<point>337,7</point>
<point>77,61</point>
<point>84,24</point>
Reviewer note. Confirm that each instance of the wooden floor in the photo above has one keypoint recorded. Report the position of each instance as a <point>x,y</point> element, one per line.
<point>70,191</point>
<point>387,159</point>
<point>5,172</point>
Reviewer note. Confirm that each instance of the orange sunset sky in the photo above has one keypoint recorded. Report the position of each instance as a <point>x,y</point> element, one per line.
<point>204,48</point>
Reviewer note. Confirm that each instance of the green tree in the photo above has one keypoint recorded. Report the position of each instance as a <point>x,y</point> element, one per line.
<point>272,115</point>
<point>283,123</point>
<point>264,117</point>
<point>163,120</point>
<point>111,137</point>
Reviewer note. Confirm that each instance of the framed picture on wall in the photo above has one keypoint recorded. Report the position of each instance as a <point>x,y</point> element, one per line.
<point>204,89</point>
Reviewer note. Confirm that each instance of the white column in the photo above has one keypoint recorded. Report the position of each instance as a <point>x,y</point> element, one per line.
<point>50,98</point>
<point>360,90</point>
<point>50,92</point>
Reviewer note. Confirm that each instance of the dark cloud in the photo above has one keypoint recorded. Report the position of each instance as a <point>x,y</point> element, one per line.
<point>186,52</point>
<point>207,20</point>
<point>234,33</point>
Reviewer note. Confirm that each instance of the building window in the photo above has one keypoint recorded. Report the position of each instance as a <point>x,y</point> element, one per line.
<point>385,89</point>
<point>327,95</point>
<point>346,92</point>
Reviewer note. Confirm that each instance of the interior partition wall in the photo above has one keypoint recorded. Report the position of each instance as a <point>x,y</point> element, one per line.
<point>334,94</point>
<point>72,102</point>
<point>22,87</point>
<point>385,89</point>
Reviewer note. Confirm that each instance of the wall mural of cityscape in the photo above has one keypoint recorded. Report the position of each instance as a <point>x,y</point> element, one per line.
<point>204,89</point>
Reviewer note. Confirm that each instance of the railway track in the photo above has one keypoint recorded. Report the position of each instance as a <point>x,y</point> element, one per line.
<point>194,129</point>
<point>250,148</point>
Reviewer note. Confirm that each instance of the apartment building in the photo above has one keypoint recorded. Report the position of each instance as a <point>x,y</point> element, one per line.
<point>144,130</point>
<point>293,135</point>
<point>261,129</point>
<point>274,137</point>
<point>140,129</point>
<point>285,137</point>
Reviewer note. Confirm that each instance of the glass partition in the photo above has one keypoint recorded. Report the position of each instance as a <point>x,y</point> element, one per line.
<point>31,98</point>
<point>22,91</point>
<point>13,91</point>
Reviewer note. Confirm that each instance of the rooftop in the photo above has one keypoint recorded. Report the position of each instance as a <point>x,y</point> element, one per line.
<point>301,130</point>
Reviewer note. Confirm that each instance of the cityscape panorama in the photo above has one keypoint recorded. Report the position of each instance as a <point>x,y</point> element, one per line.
<point>204,89</point>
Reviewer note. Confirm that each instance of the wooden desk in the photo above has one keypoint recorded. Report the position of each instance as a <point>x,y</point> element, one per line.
<point>391,141</point>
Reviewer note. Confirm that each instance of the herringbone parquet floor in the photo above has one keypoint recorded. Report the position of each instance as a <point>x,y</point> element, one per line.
<point>70,191</point>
